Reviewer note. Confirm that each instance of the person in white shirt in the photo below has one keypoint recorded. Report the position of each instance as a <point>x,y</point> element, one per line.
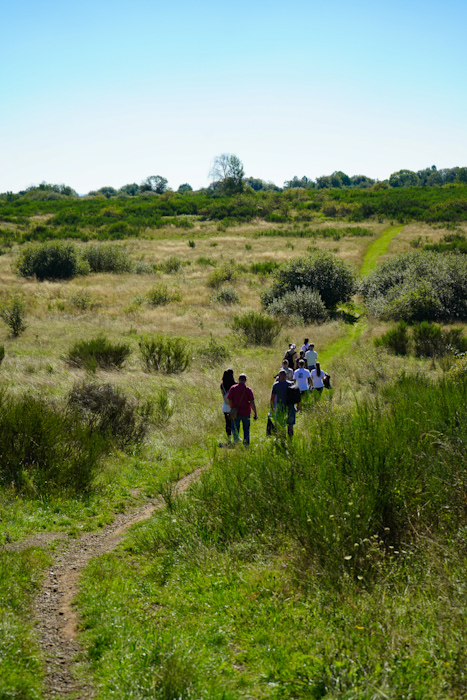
<point>302,377</point>
<point>306,345</point>
<point>311,356</point>
<point>317,376</point>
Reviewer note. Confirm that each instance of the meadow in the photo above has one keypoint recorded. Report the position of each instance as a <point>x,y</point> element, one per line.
<point>342,574</point>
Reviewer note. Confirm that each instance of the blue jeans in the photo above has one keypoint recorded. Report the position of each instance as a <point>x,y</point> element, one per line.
<point>245,420</point>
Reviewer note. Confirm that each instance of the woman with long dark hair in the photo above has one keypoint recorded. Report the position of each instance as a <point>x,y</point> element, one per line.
<point>317,376</point>
<point>227,382</point>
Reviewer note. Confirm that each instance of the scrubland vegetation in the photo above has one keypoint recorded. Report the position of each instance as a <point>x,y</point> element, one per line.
<point>330,566</point>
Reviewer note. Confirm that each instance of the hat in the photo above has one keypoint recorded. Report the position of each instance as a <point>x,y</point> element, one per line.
<point>293,346</point>
<point>242,376</point>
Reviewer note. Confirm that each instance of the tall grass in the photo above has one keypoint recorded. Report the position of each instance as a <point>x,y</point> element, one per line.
<point>99,352</point>
<point>367,483</point>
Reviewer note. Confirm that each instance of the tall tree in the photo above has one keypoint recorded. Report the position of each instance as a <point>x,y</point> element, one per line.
<point>227,170</point>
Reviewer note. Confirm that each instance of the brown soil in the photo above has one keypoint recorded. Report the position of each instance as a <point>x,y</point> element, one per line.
<point>56,618</point>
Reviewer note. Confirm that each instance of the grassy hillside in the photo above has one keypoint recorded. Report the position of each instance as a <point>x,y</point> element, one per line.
<point>199,603</point>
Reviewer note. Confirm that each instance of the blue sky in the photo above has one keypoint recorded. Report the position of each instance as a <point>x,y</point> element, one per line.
<point>106,93</point>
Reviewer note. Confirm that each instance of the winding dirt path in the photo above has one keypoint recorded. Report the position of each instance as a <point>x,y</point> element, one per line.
<point>55,616</point>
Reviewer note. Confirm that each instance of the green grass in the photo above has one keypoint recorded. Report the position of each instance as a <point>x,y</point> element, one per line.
<point>378,248</point>
<point>314,572</point>
<point>21,670</point>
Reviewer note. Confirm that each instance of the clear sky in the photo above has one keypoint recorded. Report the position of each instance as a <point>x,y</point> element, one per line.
<point>106,93</point>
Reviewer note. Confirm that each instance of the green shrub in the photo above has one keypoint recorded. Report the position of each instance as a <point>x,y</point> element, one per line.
<point>99,352</point>
<point>13,315</point>
<point>428,340</point>
<point>191,244</point>
<point>397,339</point>
<point>108,410</point>
<point>331,277</point>
<point>206,261</point>
<point>264,268</point>
<point>143,268</point>
<point>212,353</point>
<point>2,353</point>
<point>256,328</point>
<point>160,295</point>
<point>54,260</point>
<point>225,295</point>
<point>83,300</point>
<point>104,257</point>
<point>225,273</point>
<point>303,304</point>
<point>172,264</point>
<point>164,353</point>
<point>45,448</point>
<point>418,286</point>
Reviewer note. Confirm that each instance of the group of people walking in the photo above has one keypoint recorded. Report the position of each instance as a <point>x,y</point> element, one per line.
<point>299,373</point>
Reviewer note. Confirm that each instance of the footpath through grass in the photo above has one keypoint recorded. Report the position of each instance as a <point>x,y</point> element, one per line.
<point>378,248</point>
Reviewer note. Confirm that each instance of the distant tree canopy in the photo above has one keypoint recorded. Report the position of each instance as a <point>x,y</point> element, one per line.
<point>227,173</point>
<point>259,185</point>
<point>185,188</point>
<point>154,183</point>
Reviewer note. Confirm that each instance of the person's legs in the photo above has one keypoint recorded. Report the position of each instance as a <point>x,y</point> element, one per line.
<point>236,429</point>
<point>246,429</point>
<point>290,420</point>
<point>228,426</point>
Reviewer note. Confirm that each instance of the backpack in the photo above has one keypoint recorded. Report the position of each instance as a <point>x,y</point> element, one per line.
<point>327,381</point>
<point>294,395</point>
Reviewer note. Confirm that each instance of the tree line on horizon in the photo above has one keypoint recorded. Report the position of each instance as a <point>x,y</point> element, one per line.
<point>228,178</point>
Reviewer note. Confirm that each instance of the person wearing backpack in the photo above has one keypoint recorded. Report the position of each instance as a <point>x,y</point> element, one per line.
<point>283,409</point>
<point>291,355</point>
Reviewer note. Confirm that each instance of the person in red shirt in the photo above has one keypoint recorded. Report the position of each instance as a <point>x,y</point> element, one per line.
<point>241,396</point>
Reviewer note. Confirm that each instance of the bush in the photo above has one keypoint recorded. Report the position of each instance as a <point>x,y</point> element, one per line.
<point>104,257</point>
<point>108,410</point>
<point>13,315</point>
<point>143,268</point>
<point>302,304</point>
<point>160,295</point>
<point>206,261</point>
<point>331,277</point>
<point>225,295</point>
<point>171,264</point>
<point>428,340</point>
<point>418,286</point>
<point>212,353</point>
<point>2,353</point>
<point>226,273</point>
<point>257,328</point>
<point>83,300</point>
<point>264,268</point>
<point>99,352</point>
<point>164,353</point>
<point>396,339</point>
<point>52,261</point>
<point>45,448</point>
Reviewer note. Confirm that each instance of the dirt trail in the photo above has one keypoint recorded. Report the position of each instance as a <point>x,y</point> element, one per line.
<point>56,618</point>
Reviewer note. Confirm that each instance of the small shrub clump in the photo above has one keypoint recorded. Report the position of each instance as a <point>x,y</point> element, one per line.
<point>256,328</point>
<point>13,314</point>
<point>164,353</point>
<point>212,353</point>
<point>103,257</point>
<point>303,304</point>
<point>99,352</point>
<point>321,271</point>
<point>396,339</point>
<point>82,300</point>
<point>160,295</point>
<point>218,277</point>
<point>2,353</point>
<point>108,410</point>
<point>52,261</point>
<point>225,295</point>
<point>172,264</point>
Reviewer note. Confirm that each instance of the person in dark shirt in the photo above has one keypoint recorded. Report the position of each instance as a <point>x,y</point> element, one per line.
<point>284,414</point>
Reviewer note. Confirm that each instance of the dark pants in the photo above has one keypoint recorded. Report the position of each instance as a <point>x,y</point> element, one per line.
<point>228,424</point>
